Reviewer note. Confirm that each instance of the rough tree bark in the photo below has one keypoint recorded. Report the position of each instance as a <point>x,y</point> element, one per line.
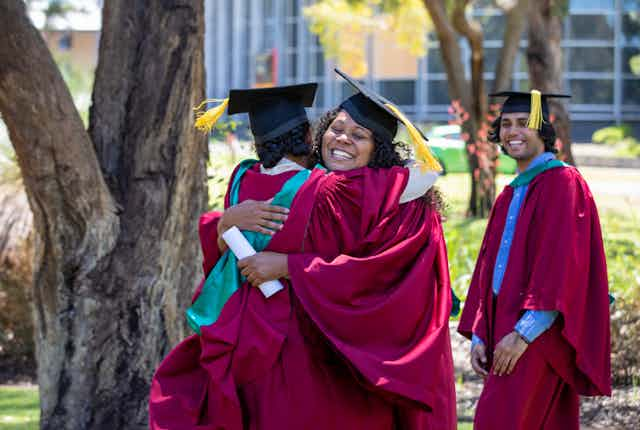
<point>115,210</point>
<point>510,43</point>
<point>544,56</point>
<point>471,94</point>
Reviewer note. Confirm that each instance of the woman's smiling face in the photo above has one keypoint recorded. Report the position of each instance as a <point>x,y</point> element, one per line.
<point>346,144</point>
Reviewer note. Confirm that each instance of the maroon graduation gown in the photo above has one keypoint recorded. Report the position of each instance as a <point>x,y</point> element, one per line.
<point>556,262</point>
<point>276,364</point>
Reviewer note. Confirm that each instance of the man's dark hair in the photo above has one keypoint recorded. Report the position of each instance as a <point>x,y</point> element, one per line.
<point>293,142</point>
<point>547,133</point>
<point>386,153</point>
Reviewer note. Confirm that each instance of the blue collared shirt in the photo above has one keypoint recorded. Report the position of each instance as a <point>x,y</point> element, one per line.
<point>534,322</point>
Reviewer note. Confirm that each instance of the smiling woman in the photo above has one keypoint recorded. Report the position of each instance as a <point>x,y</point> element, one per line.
<point>346,145</point>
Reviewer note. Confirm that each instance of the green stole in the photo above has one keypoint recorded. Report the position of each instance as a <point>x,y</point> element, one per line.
<point>527,176</point>
<point>225,278</point>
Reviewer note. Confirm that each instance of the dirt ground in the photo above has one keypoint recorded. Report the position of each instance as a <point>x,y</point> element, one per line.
<point>621,411</point>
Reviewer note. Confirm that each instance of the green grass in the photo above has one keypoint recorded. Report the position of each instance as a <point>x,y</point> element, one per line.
<point>19,408</point>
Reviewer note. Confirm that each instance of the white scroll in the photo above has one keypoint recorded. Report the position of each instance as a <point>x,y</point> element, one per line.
<point>241,247</point>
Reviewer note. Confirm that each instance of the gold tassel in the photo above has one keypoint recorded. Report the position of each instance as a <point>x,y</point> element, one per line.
<point>205,120</point>
<point>424,157</point>
<point>535,116</point>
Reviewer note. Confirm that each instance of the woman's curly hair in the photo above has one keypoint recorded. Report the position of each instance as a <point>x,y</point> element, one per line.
<point>293,142</point>
<point>386,153</point>
<point>547,133</point>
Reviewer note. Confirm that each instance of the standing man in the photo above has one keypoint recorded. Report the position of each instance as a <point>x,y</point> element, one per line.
<point>537,310</point>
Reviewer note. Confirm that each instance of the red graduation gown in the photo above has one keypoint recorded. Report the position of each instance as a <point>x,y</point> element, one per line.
<point>556,262</point>
<point>374,355</point>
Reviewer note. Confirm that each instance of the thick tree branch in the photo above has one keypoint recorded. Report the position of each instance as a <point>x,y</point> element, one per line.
<point>450,51</point>
<point>544,56</point>
<point>473,33</point>
<point>510,44</point>
<point>56,158</point>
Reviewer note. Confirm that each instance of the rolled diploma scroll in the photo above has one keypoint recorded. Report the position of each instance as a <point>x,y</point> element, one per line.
<point>241,247</point>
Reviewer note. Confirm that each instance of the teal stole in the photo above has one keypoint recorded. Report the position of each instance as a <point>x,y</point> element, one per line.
<point>225,278</point>
<point>527,176</point>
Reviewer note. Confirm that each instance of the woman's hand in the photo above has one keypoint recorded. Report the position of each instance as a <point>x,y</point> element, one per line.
<point>253,215</point>
<point>264,266</point>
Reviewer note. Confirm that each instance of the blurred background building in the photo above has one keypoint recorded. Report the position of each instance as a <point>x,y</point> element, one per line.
<point>267,42</point>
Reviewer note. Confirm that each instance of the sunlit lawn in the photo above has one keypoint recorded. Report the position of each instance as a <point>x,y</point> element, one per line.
<point>19,407</point>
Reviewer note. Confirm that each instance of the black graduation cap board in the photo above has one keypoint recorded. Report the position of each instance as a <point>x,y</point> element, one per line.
<point>272,111</point>
<point>373,111</point>
<point>534,102</point>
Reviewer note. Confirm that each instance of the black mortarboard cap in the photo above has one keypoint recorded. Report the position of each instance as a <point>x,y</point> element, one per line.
<point>521,102</point>
<point>273,111</point>
<point>378,114</point>
<point>368,109</point>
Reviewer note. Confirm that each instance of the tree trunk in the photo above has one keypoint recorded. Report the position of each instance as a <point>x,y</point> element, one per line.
<point>115,210</point>
<point>544,56</point>
<point>481,154</point>
<point>510,44</point>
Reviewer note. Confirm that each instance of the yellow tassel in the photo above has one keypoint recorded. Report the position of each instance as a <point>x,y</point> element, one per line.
<point>535,116</point>
<point>205,120</point>
<point>424,157</point>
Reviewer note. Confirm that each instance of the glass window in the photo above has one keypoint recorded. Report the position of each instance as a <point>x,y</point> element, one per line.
<point>631,27</point>
<point>292,35</point>
<point>484,3</point>
<point>491,59</point>
<point>591,91</point>
<point>592,4</point>
<point>523,85</point>
<point>438,93</point>
<point>319,100</point>
<point>627,54</point>
<point>591,27</point>
<point>346,90</point>
<point>316,68</point>
<point>434,61</point>
<point>292,7</point>
<point>269,8</point>
<point>492,26</point>
<point>591,60</point>
<point>633,5</point>
<point>522,64</point>
<point>268,40</point>
<point>631,92</point>
<point>400,92</point>
<point>292,65</point>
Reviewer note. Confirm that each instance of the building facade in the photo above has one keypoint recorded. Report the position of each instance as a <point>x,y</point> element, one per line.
<point>256,42</point>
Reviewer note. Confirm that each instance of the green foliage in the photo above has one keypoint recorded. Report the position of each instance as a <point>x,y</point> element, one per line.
<point>9,170</point>
<point>634,64</point>
<point>619,136</point>
<point>223,159</point>
<point>79,82</point>
<point>19,408</point>
<point>343,27</point>
<point>222,129</point>
<point>612,134</point>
